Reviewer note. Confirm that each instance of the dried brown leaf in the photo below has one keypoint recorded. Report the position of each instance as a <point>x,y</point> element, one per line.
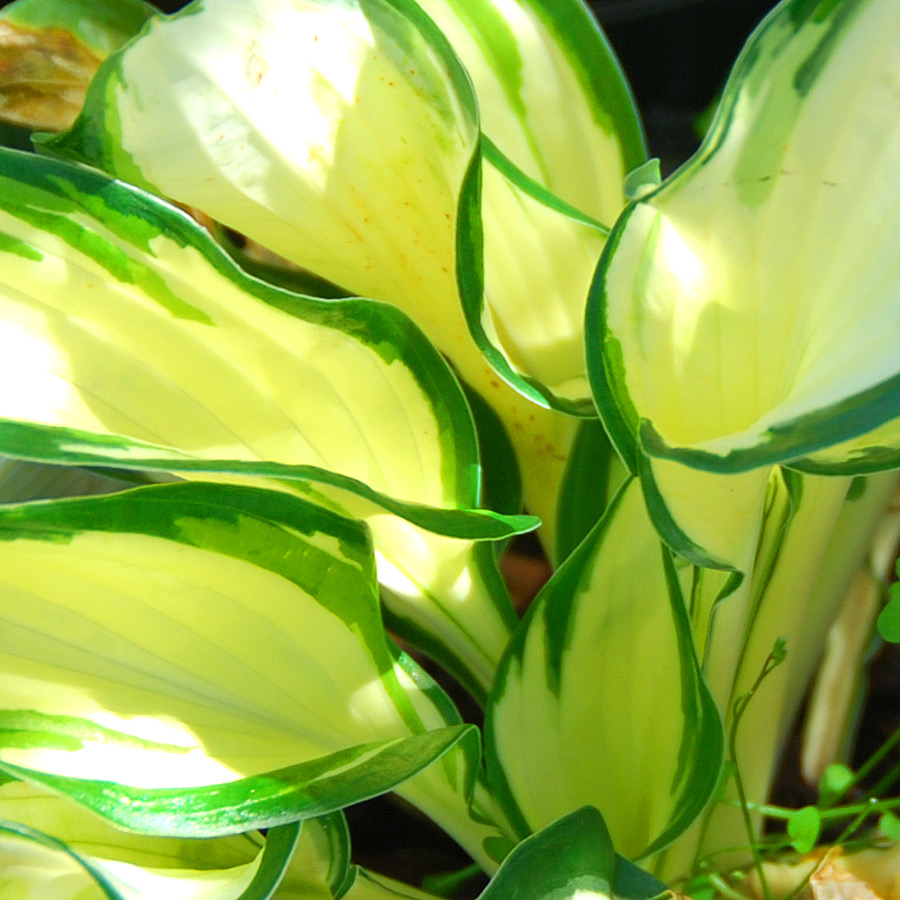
<point>833,882</point>
<point>44,76</point>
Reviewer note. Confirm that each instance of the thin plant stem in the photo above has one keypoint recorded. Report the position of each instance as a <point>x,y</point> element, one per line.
<point>858,819</point>
<point>725,889</point>
<point>885,782</point>
<point>868,766</point>
<point>773,660</point>
<point>839,812</point>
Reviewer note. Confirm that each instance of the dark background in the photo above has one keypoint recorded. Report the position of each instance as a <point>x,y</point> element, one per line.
<point>677,55</point>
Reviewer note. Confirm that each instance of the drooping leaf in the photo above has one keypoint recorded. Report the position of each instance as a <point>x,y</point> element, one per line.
<point>374,182</point>
<point>141,346</point>
<point>267,800</point>
<point>141,278</point>
<point>602,679</point>
<point>50,844</point>
<point>172,638</point>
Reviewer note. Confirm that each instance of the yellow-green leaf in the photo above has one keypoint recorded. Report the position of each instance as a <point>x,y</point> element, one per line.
<point>186,636</point>
<point>745,313</point>
<point>602,687</point>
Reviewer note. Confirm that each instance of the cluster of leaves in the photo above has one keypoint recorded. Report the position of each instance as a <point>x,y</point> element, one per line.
<point>464,293</point>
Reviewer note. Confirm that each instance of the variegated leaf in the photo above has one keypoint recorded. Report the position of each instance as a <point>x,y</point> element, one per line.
<point>202,659</point>
<point>729,329</point>
<point>133,342</point>
<point>813,544</point>
<point>359,183</point>
<point>550,95</point>
<point>375,184</point>
<point>529,317</point>
<point>49,847</point>
<point>603,681</point>
<point>561,133</point>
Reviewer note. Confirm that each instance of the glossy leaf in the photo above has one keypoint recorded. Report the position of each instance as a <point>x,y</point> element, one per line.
<point>527,315</point>
<point>361,182</point>
<point>570,859</point>
<point>86,859</point>
<point>727,330</point>
<point>174,638</point>
<point>48,843</point>
<point>267,800</point>
<point>375,185</point>
<point>142,346</point>
<point>593,476</point>
<point>602,680</point>
<point>211,354</point>
<point>522,59</point>
<point>561,131</point>
<point>813,541</point>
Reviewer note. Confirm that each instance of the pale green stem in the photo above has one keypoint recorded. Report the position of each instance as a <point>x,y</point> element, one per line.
<point>815,561</point>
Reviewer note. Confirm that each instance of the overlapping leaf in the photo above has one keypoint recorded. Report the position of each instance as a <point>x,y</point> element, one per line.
<point>373,180</point>
<point>522,60</point>
<point>51,846</point>
<point>528,314</point>
<point>199,659</point>
<point>811,549</point>
<point>133,342</point>
<point>562,132</point>
<point>570,859</point>
<point>729,330</point>
<point>602,680</point>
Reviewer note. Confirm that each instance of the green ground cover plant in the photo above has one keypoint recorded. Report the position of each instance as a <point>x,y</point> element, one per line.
<point>480,312</point>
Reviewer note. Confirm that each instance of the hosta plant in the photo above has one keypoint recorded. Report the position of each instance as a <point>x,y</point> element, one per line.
<point>320,303</point>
